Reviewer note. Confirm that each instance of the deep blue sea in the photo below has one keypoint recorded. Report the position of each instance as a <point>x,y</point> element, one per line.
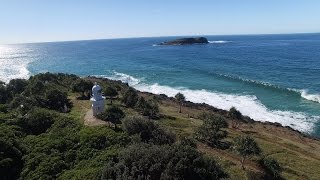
<point>267,77</point>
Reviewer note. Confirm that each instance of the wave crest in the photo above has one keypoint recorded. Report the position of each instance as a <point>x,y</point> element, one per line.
<point>247,105</point>
<point>218,42</point>
<point>311,97</point>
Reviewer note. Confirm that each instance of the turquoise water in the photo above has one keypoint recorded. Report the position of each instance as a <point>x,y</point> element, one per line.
<point>267,77</point>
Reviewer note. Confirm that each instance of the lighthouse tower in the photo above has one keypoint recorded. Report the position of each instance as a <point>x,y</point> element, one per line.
<point>97,100</point>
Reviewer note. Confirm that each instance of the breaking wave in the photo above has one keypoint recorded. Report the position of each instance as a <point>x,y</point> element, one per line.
<point>247,105</point>
<point>303,93</point>
<point>218,42</point>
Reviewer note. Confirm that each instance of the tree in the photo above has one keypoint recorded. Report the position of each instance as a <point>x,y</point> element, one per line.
<point>236,116</point>
<point>147,130</point>
<point>246,146</point>
<point>112,114</point>
<point>180,98</point>
<point>147,108</point>
<point>82,86</point>
<point>210,132</point>
<point>130,97</point>
<point>110,92</point>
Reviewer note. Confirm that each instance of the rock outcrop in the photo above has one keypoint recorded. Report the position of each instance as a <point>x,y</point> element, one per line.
<point>184,41</point>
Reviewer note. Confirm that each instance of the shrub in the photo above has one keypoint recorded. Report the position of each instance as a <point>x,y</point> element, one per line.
<point>236,116</point>
<point>113,114</point>
<point>272,167</point>
<point>147,130</point>
<point>57,100</point>
<point>16,86</point>
<point>37,121</point>
<point>4,95</point>
<point>210,132</point>
<point>130,97</point>
<point>147,108</point>
<point>143,161</point>
<point>110,92</point>
<point>11,152</point>
<point>82,86</point>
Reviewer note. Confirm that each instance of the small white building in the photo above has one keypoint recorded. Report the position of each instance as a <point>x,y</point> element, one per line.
<point>97,100</point>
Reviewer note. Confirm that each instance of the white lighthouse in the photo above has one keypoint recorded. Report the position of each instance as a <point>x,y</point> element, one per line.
<point>97,100</point>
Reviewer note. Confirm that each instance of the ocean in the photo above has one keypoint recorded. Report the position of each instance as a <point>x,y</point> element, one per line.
<point>272,78</point>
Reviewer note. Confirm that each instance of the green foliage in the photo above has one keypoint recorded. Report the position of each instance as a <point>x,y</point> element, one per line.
<point>16,86</point>
<point>211,132</point>
<point>272,167</point>
<point>110,92</point>
<point>147,130</point>
<point>3,108</point>
<point>143,161</point>
<point>234,113</point>
<point>82,86</point>
<point>130,97</point>
<point>180,98</point>
<point>37,121</point>
<point>4,95</point>
<point>11,152</point>
<point>246,146</point>
<point>57,100</point>
<point>147,108</point>
<point>101,137</point>
<point>67,148</point>
<point>113,114</point>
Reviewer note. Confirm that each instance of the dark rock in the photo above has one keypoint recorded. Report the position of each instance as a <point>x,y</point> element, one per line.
<point>184,41</point>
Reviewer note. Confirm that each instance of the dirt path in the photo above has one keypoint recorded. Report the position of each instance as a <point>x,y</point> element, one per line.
<point>90,120</point>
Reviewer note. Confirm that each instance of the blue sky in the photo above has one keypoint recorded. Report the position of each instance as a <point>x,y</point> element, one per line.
<point>59,20</point>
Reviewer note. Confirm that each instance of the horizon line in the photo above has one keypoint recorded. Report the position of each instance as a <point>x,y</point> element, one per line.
<point>137,37</point>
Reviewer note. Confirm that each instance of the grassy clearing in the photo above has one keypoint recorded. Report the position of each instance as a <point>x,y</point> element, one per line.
<point>298,155</point>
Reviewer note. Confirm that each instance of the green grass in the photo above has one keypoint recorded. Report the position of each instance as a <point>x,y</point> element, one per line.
<point>299,156</point>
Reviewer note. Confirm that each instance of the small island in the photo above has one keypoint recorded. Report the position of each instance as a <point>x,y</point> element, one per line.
<point>185,41</point>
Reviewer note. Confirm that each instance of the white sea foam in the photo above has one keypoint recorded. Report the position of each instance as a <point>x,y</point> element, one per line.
<point>13,64</point>
<point>311,97</point>
<point>218,42</point>
<point>247,105</point>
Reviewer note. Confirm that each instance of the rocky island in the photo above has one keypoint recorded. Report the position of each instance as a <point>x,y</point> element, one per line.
<point>184,41</point>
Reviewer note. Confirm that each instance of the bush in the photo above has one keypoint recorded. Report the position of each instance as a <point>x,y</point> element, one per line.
<point>272,167</point>
<point>57,100</point>
<point>16,86</point>
<point>11,152</point>
<point>130,97</point>
<point>147,130</point>
<point>37,121</point>
<point>236,116</point>
<point>147,108</point>
<point>113,114</point>
<point>210,132</point>
<point>143,161</point>
<point>110,92</point>
<point>82,86</point>
<point>4,95</point>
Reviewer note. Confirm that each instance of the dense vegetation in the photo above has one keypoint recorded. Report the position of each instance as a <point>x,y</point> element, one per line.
<point>42,135</point>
